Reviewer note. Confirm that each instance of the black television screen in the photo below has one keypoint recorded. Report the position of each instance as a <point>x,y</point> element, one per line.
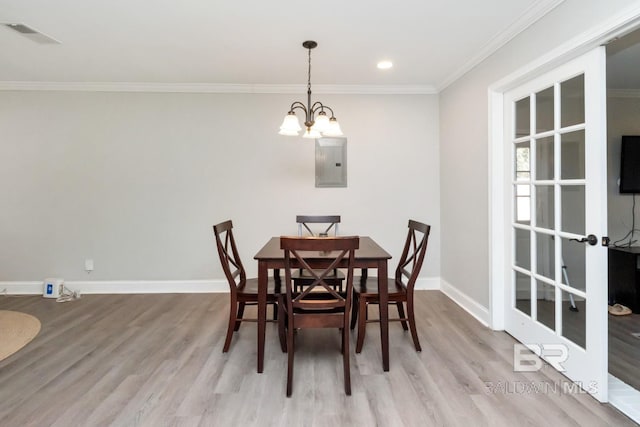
<point>630,164</point>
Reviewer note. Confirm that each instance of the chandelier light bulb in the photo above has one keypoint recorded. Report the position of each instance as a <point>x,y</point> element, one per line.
<point>333,128</point>
<point>290,125</point>
<point>322,122</point>
<point>311,134</point>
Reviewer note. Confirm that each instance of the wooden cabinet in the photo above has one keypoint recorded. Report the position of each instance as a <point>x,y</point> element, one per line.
<point>624,277</point>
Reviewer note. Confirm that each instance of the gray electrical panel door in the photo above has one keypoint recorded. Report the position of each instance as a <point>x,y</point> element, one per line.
<point>331,162</point>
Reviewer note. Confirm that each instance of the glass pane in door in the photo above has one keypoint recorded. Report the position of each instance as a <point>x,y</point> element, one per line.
<point>545,206</point>
<point>572,101</point>
<point>573,206</point>
<point>574,312</point>
<point>523,161</point>
<point>572,155</point>
<point>544,158</point>
<point>523,203</point>
<point>545,247</point>
<point>523,249</point>
<point>573,264</point>
<point>544,110</point>
<point>523,117</point>
<point>522,293</point>
<point>546,304</point>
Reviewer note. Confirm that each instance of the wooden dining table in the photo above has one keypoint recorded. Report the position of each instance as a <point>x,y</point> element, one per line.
<point>369,255</point>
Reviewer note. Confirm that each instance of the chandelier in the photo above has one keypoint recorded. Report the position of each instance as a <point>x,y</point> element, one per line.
<point>316,121</point>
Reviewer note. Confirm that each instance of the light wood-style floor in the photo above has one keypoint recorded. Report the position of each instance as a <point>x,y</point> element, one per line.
<point>156,360</point>
<point>624,349</point>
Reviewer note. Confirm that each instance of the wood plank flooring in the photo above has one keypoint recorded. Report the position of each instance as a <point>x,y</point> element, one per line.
<point>624,349</point>
<point>156,360</point>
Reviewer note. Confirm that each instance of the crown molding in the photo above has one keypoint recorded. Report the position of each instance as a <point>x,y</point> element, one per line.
<point>530,16</point>
<point>623,93</point>
<point>215,88</point>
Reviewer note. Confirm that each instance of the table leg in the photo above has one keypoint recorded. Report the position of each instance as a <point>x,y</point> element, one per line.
<point>262,311</point>
<point>384,312</point>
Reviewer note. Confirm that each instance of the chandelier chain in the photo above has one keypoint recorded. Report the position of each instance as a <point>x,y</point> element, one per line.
<point>309,73</point>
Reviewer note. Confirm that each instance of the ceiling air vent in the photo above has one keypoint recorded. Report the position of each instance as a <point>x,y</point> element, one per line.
<point>32,34</point>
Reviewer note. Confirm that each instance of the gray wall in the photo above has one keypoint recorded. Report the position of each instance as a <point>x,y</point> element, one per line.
<point>464,141</point>
<point>623,118</point>
<point>136,180</point>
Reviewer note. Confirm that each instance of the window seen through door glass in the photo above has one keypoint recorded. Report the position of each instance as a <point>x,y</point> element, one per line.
<point>523,161</point>
<point>523,174</point>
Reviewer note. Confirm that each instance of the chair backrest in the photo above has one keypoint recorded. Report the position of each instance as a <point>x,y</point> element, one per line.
<point>330,221</point>
<point>413,253</point>
<point>229,257</point>
<point>298,252</point>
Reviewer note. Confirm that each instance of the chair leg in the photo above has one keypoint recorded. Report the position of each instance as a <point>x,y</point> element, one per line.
<point>412,323</point>
<point>345,357</point>
<point>239,317</point>
<point>400,307</point>
<point>362,323</point>
<point>275,311</point>
<point>282,332</point>
<point>232,323</point>
<point>354,310</point>
<point>290,351</point>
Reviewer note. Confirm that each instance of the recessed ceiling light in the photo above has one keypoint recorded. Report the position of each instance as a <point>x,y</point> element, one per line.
<point>385,65</point>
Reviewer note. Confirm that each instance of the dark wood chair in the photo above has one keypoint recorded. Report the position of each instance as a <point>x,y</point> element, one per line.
<point>330,221</point>
<point>243,291</point>
<point>312,308</point>
<point>400,287</point>
<point>307,226</point>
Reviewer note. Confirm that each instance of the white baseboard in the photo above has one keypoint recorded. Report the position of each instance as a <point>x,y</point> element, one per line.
<point>152,286</point>
<point>122,287</point>
<point>21,288</point>
<point>478,311</point>
<point>428,284</point>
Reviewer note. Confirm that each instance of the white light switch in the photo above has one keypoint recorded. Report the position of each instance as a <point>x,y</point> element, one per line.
<point>88,265</point>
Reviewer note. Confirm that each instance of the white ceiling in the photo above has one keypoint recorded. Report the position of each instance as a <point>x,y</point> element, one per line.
<point>258,42</point>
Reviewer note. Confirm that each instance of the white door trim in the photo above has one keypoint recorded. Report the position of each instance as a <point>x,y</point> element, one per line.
<point>618,25</point>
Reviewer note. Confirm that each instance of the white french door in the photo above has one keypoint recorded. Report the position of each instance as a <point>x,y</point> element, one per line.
<point>555,164</point>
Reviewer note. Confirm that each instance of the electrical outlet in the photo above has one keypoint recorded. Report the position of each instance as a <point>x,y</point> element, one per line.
<point>88,265</point>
